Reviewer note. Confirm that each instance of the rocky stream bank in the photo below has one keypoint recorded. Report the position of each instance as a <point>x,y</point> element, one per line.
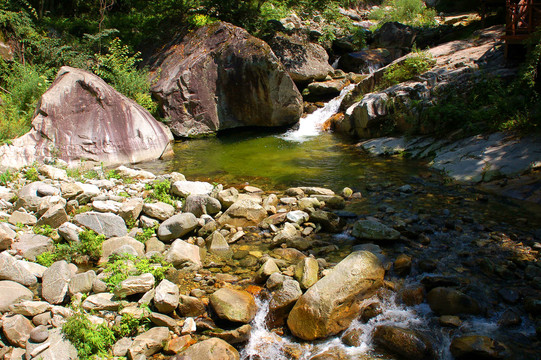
<point>206,270</point>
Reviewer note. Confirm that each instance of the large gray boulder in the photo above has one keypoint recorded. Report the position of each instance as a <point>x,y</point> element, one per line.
<point>166,297</point>
<point>182,254</point>
<point>202,204</point>
<point>12,293</point>
<point>11,269</point>
<point>304,61</point>
<point>177,226</point>
<point>110,225</point>
<point>135,285</point>
<point>330,305</point>
<point>374,230</point>
<point>211,349</point>
<point>55,282</point>
<point>17,329</point>
<point>32,245</point>
<point>220,77</point>
<point>81,117</point>
<point>244,212</point>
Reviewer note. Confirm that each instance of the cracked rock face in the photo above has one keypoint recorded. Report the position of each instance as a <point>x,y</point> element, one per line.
<point>81,117</point>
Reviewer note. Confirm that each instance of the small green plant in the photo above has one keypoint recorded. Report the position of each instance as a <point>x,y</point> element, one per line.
<point>145,234</point>
<point>112,174</point>
<point>88,339</point>
<point>88,246</point>
<point>130,325</point>
<point>410,12</point>
<point>91,174</point>
<point>119,268</point>
<point>74,173</point>
<point>6,177</point>
<point>31,174</point>
<point>45,230</point>
<point>419,63</point>
<point>47,258</point>
<point>160,191</point>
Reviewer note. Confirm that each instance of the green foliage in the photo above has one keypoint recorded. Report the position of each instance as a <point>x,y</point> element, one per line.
<point>31,174</point>
<point>130,326</point>
<point>47,258</point>
<point>88,339</point>
<point>119,68</point>
<point>45,230</point>
<point>410,12</point>
<point>90,244</point>
<point>6,177</point>
<point>88,247</point>
<point>160,191</point>
<point>119,268</point>
<point>419,63</point>
<point>146,234</point>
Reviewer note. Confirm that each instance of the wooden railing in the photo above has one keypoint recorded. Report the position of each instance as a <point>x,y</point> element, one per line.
<point>523,17</point>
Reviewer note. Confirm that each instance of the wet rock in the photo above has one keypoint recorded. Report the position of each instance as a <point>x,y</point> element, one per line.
<point>446,301</point>
<point>510,318</point>
<point>201,205</point>
<point>182,254</point>
<point>412,296</point>
<point>402,265</point>
<point>134,285</point>
<point>404,342</point>
<point>31,245</point>
<point>330,305</point>
<point>290,255</point>
<point>177,226</point>
<point>190,306</point>
<point>159,210</point>
<point>166,297</point>
<point>17,330</point>
<point>374,230</point>
<point>110,225</point>
<point>39,334</point>
<point>11,269</point>
<point>306,272</point>
<point>12,293</point>
<point>243,213</point>
<point>233,305</point>
<point>297,217</point>
<point>478,347</point>
<point>109,246</point>
<point>352,337</point>
<point>329,221</point>
<point>282,302</point>
<point>433,281</point>
<point>55,282</point>
<point>371,311</point>
<point>288,233</point>
<point>236,336</point>
<point>218,245</point>
<point>211,349</point>
<point>450,321</point>
<point>149,342</point>
<point>224,55</point>
<point>266,270</point>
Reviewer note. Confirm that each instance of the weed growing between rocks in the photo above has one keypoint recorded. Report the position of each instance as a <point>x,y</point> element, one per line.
<point>145,234</point>
<point>160,191</point>
<point>419,63</point>
<point>88,248</point>
<point>6,177</point>
<point>410,12</point>
<point>89,339</point>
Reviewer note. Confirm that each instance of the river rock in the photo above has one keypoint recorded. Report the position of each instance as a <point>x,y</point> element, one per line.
<point>54,217</point>
<point>211,349</point>
<point>39,334</point>
<point>282,301</point>
<point>59,348</point>
<point>159,210</point>
<point>330,305</point>
<point>327,88</point>
<point>17,329</point>
<point>306,272</point>
<point>182,254</point>
<point>190,306</point>
<point>131,209</point>
<point>101,301</point>
<point>478,347</point>
<point>82,283</point>
<point>109,246</point>
<point>446,301</point>
<point>304,61</point>
<point>404,342</point>
<point>166,296</point>
<point>177,226</point>
<point>55,282</point>
<point>10,269</point>
<point>32,245</point>
<point>28,196</point>
<point>394,35</point>
<point>6,239</point>
<point>329,221</point>
<point>110,225</point>
<point>186,188</point>
<point>288,234</point>
<point>202,204</point>
<point>48,202</point>
<point>135,285</point>
<point>12,293</point>
<point>374,230</point>
<point>243,213</point>
<point>81,117</point>
<point>52,172</point>
<point>218,245</point>
<point>149,342</point>
<point>233,305</point>
<point>228,197</point>
<point>30,308</point>
<point>106,206</point>
<point>22,217</point>
<point>237,336</point>
<point>297,217</point>
<point>224,56</point>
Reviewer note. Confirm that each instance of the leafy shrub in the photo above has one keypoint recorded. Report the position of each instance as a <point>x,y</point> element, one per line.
<point>88,246</point>
<point>130,326</point>
<point>31,174</point>
<point>410,12</point>
<point>45,230</point>
<point>146,234</point>
<point>6,177</point>
<point>119,268</point>
<point>414,65</point>
<point>160,191</point>
<point>88,339</point>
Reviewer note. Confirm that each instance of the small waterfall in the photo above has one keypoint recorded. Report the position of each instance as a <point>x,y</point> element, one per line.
<point>310,125</point>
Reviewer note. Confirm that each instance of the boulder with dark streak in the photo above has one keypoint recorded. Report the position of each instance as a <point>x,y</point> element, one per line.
<point>80,117</point>
<point>221,77</point>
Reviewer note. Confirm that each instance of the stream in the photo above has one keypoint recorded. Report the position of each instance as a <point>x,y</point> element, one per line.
<point>481,239</point>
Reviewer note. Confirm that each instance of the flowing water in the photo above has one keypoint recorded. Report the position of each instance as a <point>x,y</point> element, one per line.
<point>306,156</point>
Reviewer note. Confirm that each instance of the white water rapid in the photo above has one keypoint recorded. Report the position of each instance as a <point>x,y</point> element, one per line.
<point>310,126</point>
